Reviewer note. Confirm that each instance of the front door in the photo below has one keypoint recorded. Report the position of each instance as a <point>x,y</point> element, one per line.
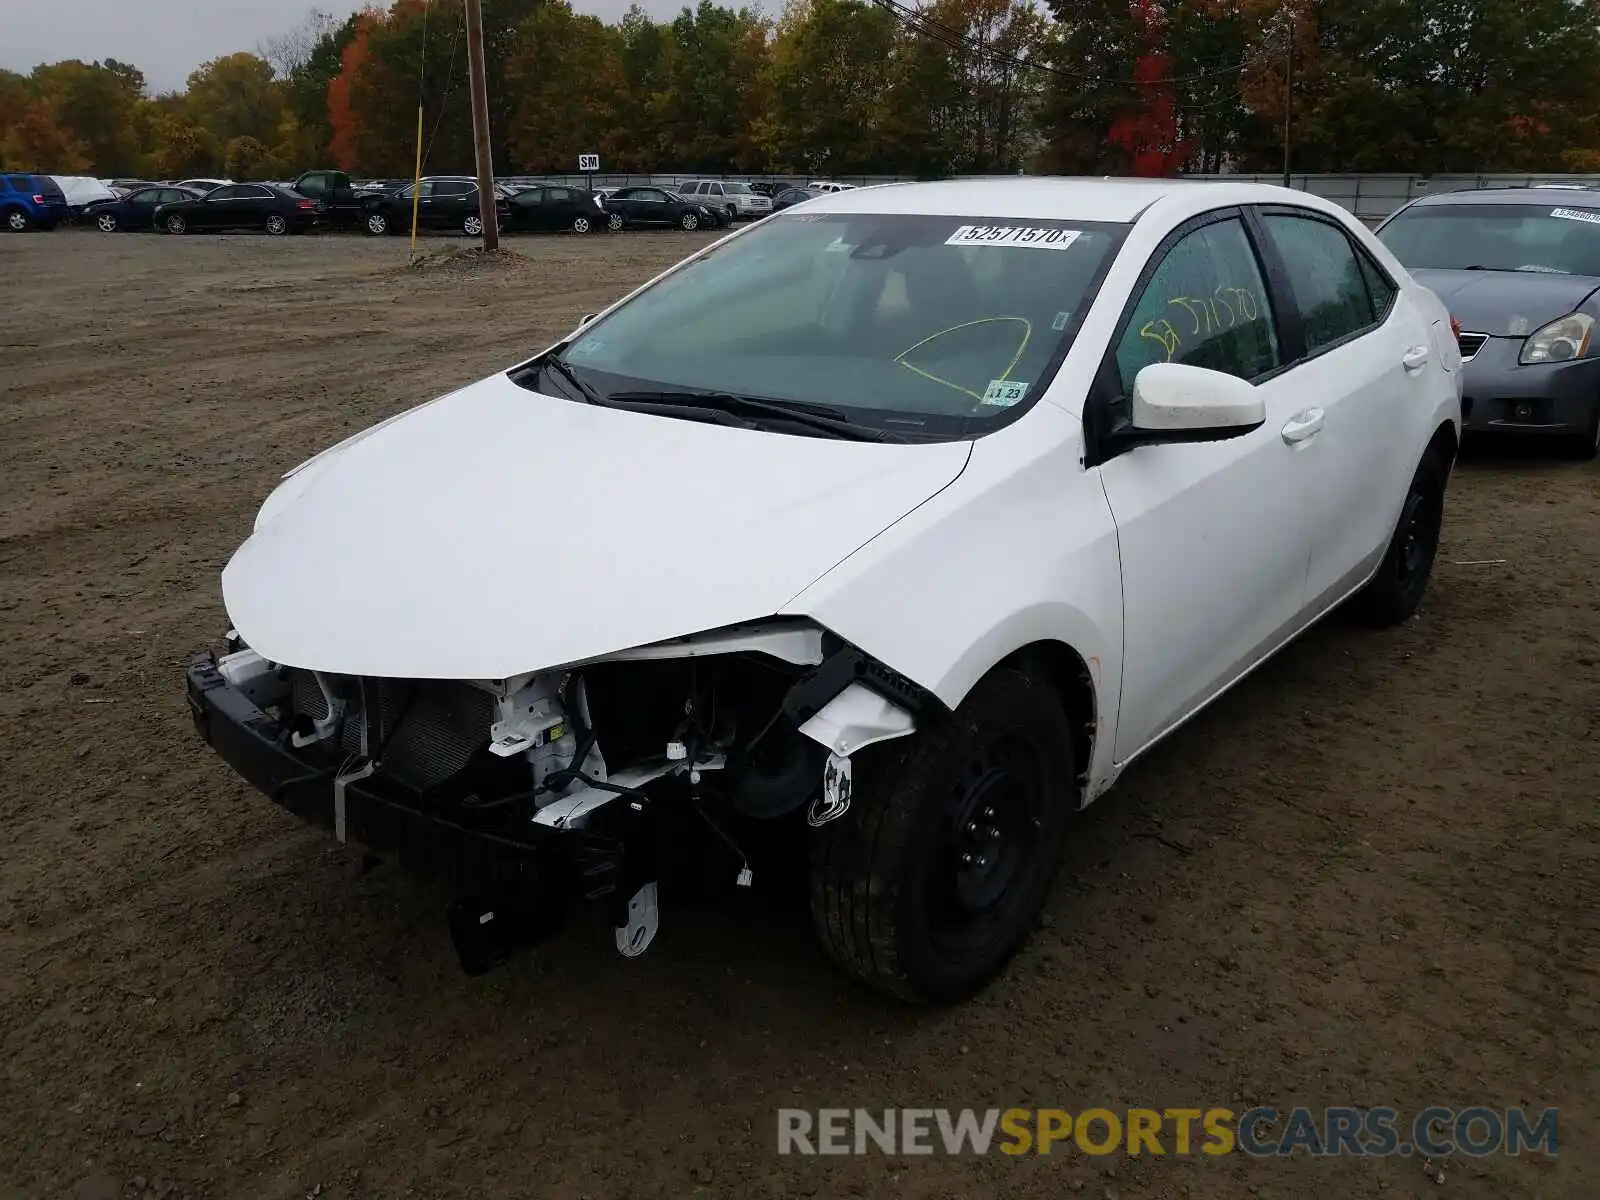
<point>1211,534</point>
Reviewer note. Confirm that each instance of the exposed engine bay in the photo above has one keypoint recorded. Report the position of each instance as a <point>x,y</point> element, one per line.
<point>752,723</point>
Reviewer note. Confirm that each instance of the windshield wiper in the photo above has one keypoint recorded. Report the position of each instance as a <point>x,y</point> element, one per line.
<point>829,421</point>
<point>554,363</point>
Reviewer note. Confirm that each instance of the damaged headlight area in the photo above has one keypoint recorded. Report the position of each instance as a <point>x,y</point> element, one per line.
<point>578,783</point>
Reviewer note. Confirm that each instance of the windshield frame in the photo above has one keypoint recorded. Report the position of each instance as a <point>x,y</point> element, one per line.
<point>914,426</point>
<point>1519,209</point>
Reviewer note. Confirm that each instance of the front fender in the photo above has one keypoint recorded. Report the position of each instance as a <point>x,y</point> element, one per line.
<point>1020,549</point>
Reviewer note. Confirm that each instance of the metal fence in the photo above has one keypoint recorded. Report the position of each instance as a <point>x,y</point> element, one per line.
<point>1370,196</point>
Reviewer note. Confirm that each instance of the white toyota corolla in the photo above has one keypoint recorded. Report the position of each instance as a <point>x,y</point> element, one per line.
<point>891,528</point>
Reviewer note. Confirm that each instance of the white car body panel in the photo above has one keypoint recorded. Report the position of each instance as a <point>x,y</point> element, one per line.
<point>496,532</point>
<point>499,531</point>
<point>1020,550</point>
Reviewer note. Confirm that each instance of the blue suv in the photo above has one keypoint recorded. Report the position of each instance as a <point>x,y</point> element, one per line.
<point>31,202</point>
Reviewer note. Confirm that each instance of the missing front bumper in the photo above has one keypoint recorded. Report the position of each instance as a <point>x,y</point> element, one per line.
<point>378,814</point>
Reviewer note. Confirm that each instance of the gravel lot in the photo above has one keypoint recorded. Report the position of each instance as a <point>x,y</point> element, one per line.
<point>1369,875</point>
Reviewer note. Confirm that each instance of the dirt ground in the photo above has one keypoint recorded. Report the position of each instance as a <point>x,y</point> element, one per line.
<point>1371,875</point>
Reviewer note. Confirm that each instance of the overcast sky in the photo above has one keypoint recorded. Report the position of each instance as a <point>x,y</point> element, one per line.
<point>167,39</point>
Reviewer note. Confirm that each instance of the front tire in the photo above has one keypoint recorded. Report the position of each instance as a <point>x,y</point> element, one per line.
<point>276,225</point>
<point>106,222</point>
<point>689,222</point>
<point>615,222</point>
<point>377,224</point>
<point>1396,591</point>
<point>936,873</point>
<point>176,224</point>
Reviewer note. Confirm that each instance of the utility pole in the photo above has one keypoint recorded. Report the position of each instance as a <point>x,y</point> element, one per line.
<point>488,209</point>
<point>1288,88</point>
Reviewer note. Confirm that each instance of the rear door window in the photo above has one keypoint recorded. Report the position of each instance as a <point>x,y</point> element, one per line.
<point>1325,276</point>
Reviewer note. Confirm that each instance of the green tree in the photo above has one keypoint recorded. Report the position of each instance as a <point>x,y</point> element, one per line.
<point>829,86</point>
<point>94,105</point>
<point>565,73</point>
<point>236,96</point>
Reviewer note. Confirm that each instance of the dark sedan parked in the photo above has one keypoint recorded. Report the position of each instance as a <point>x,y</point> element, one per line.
<point>547,207</point>
<point>1519,268</point>
<point>789,197</point>
<point>657,206</point>
<point>441,203</point>
<point>135,212</point>
<point>264,206</point>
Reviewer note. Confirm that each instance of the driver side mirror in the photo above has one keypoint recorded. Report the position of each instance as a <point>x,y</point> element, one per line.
<point>1175,402</point>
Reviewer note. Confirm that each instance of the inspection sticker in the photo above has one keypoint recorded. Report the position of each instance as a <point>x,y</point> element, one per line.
<point>1003,393</point>
<point>1576,214</point>
<point>1060,323</point>
<point>1032,236</point>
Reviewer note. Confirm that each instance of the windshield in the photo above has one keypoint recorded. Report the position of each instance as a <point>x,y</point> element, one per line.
<point>1547,238</point>
<point>914,323</point>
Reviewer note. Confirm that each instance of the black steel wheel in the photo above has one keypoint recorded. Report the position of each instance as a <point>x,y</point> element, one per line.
<point>1396,591</point>
<point>933,878</point>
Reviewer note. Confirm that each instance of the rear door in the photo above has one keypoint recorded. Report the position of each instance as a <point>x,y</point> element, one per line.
<point>561,207</point>
<point>1366,365</point>
<point>1211,534</point>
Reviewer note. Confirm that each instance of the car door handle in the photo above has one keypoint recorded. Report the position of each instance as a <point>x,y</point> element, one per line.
<point>1302,425</point>
<point>1415,358</point>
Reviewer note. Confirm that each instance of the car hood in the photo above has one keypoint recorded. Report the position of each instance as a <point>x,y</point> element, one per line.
<point>1507,303</point>
<point>497,530</point>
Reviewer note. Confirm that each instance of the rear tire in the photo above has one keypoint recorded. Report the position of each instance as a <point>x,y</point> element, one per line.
<point>1396,591</point>
<point>276,225</point>
<point>582,224</point>
<point>935,874</point>
<point>17,221</point>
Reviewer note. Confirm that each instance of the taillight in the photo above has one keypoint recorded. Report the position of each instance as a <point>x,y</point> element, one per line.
<point>37,199</point>
<point>305,204</point>
<point>1455,329</point>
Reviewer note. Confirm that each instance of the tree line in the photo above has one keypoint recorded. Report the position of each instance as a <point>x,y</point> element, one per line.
<point>843,87</point>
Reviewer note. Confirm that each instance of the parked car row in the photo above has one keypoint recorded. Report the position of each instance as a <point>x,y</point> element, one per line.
<point>329,198</point>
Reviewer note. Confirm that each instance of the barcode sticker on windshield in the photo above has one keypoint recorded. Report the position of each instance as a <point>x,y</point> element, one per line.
<point>1003,393</point>
<point>1031,236</point>
<point>1576,214</point>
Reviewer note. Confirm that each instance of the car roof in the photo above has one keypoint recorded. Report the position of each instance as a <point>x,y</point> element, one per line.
<point>1050,197</point>
<point>1570,197</point>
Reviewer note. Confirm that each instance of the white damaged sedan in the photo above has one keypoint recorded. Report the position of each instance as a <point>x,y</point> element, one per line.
<point>889,530</point>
